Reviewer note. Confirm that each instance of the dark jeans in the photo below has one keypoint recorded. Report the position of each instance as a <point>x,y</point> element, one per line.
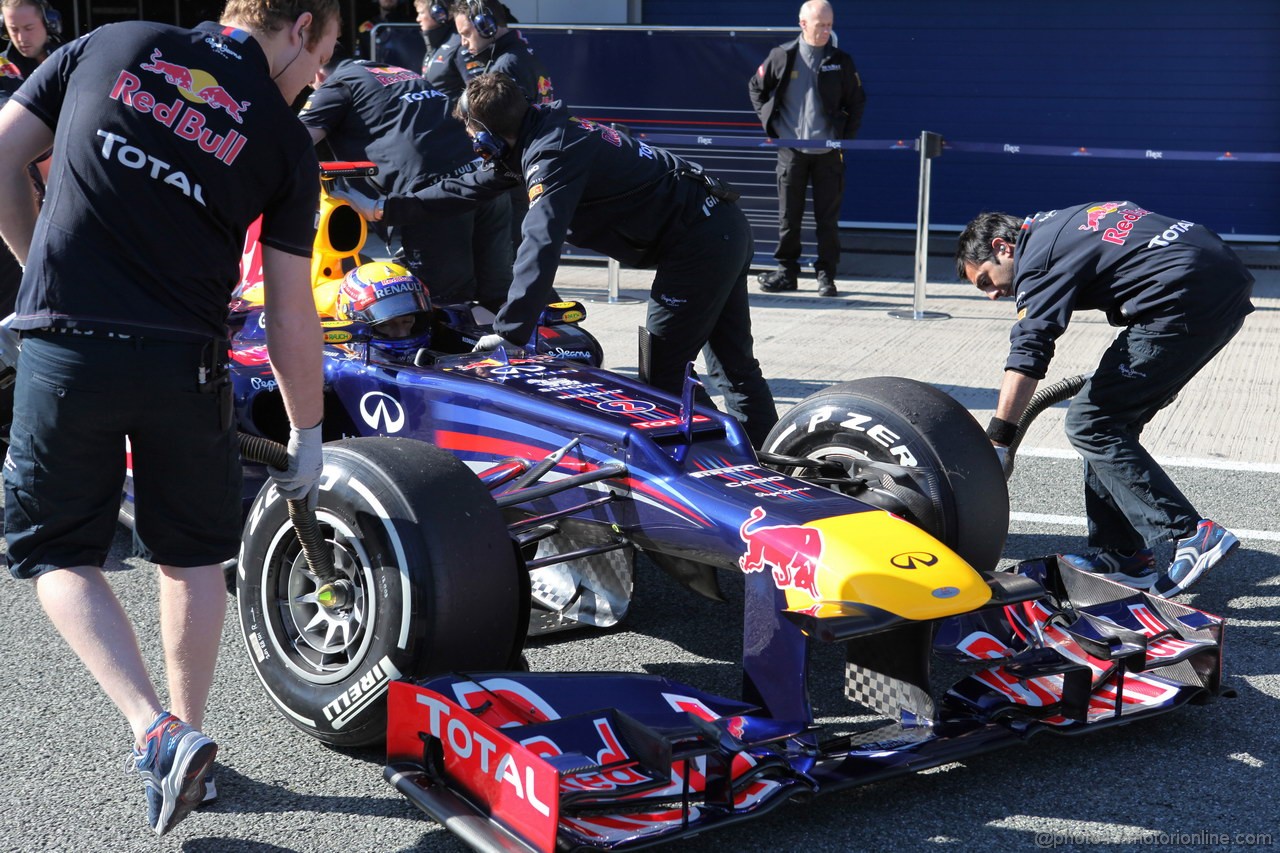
<point>1129,500</point>
<point>699,303</point>
<point>796,172</point>
<point>461,256</point>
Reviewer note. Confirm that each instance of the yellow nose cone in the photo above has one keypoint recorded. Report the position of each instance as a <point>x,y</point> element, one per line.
<point>873,558</point>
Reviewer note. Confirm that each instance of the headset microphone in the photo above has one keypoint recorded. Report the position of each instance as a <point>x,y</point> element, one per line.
<point>488,145</point>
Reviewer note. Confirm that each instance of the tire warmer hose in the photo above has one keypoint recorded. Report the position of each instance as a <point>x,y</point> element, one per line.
<point>1064,389</point>
<point>319,558</point>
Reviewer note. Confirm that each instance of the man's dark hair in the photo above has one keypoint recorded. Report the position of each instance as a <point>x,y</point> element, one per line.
<point>975,242</point>
<point>495,101</point>
<point>500,13</point>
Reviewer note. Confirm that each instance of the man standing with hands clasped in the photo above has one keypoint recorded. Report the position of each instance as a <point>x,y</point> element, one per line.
<point>1180,294</point>
<point>167,143</point>
<point>808,89</point>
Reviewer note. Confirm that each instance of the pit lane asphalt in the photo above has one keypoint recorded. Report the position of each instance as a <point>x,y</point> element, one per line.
<point>1202,776</point>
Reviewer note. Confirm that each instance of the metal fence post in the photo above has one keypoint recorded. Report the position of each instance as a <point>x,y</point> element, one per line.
<point>615,281</point>
<point>930,145</point>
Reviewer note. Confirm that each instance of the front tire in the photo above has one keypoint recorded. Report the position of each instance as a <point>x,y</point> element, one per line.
<point>906,423</point>
<point>434,578</point>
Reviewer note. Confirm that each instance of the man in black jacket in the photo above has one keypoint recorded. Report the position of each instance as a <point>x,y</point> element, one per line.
<point>591,186</point>
<point>808,89</point>
<point>440,36</point>
<point>1180,295</point>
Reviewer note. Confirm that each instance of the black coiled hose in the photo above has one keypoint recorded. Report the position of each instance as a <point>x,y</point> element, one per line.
<point>319,558</point>
<point>1064,389</point>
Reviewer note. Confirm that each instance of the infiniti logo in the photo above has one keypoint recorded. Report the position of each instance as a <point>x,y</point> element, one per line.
<point>382,412</point>
<point>913,560</point>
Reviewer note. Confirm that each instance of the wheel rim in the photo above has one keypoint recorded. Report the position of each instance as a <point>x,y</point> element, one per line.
<point>319,644</point>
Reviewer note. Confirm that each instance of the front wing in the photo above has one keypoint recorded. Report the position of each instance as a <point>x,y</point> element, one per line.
<point>620,761</point>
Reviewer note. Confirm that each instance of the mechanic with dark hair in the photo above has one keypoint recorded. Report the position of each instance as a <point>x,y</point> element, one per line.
<point>489,46</point>
<point>440,67</point>
<point>593,187</point>
<point>32,28</point>
<point>168,142</point>
<point>1180,294</point>
<point>389,115</point>
<point>808,89</point>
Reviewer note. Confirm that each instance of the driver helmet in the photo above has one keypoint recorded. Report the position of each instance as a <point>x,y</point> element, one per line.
<point>391,302</point>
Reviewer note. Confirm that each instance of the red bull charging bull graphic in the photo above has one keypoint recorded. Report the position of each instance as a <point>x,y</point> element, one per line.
<point>183,116</point>
<point>793,552</point>
<point>1120,232</point>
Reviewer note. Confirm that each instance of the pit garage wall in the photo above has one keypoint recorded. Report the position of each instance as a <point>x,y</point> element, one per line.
<point>1142,76</point>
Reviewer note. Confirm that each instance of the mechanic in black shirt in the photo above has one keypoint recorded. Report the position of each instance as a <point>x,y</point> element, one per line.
<point>439,63</point>
<point>489,46</point>
<point>167,143</point>
<point>33,29</point>
<point>1180,294</point>
<point>595,188</point>
<point>389,115</point>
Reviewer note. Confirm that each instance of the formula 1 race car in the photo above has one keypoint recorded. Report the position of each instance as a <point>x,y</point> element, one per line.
<point>469,500</point>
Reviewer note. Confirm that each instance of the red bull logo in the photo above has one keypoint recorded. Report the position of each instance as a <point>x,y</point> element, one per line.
<point>544,90</point>
<point>196,85</point>
<point>1094,215</point>
<point>8,69</point>
<point>792,552</point>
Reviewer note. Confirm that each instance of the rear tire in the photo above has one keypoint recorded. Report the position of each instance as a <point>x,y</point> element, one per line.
<point>436,586</point>
<point>914,425</point>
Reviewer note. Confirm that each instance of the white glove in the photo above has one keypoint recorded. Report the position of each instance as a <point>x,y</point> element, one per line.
<point>489,342</point>
<point>1006,461</point>
<point>368,208</point>
<point>306,461</point>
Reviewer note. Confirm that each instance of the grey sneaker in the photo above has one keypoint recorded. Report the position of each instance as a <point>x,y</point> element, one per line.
<point>1135,570</point>
<point>826,287</point>
<point>172,763</point>
<point>1194,556</point>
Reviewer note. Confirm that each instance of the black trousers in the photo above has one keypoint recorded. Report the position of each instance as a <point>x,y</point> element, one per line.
<point>796,173</point>
<point>1129,500</point>
<point>461,256</point>
<point>698,303</point>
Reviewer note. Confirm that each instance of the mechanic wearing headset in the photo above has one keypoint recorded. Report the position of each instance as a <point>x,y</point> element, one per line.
<point>1180,295</point>
<point>389,115</point>
<point>32,28</point>
<point>122,312</point>
<point>488,46</point>
<point>595,188</point>
<point>439,65</point>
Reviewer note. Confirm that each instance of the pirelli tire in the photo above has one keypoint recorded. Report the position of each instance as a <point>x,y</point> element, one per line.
<point>435,579</point>
<point>912,424</point>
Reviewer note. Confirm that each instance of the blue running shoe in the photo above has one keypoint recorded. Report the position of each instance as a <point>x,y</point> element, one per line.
<point>173,762</point>
<point>1136,570</point>
<point>1194,556</point>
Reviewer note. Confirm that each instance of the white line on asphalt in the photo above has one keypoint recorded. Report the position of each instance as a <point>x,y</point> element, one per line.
<point>1168,461</point>
<point>1079,521</point>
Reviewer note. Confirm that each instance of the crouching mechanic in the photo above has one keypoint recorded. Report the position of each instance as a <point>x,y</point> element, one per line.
<point>122,312</point>
<point>1180,294</point>
<point>595,188</point>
